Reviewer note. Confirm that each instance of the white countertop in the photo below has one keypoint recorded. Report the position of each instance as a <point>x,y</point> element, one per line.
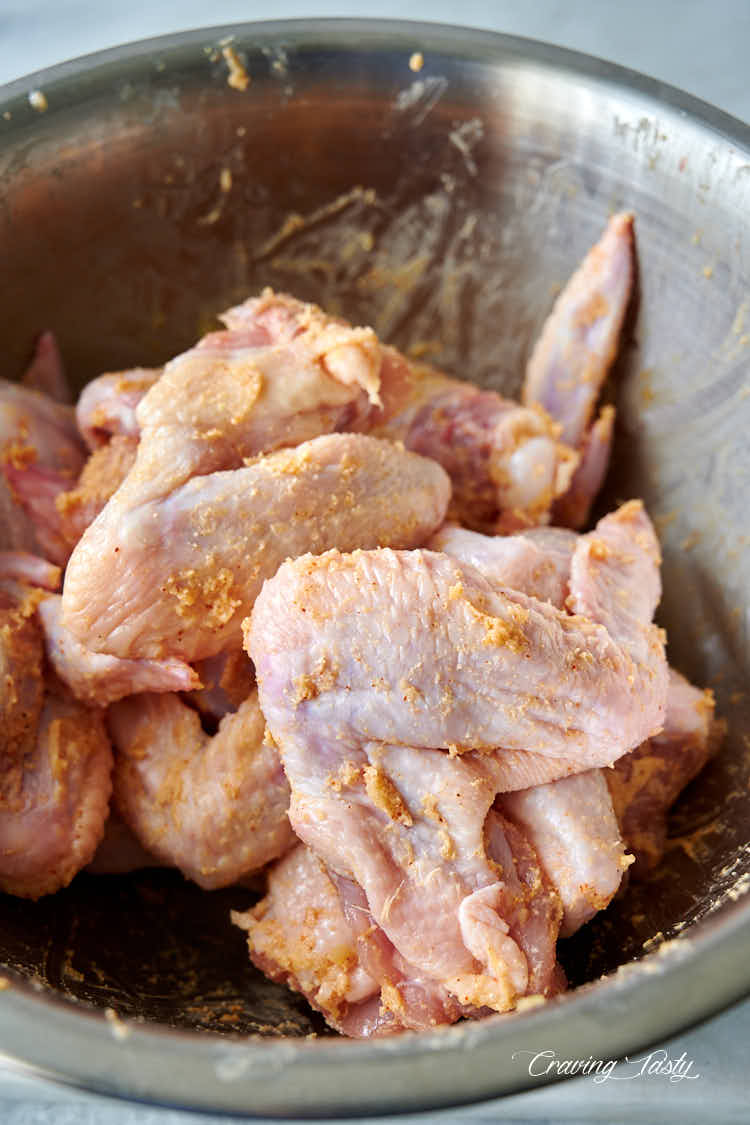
<point>698,46</point>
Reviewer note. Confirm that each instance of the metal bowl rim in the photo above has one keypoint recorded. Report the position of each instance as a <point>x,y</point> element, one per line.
<point>365,32</point>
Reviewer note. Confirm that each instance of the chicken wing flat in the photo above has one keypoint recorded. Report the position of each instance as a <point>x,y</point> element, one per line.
<point>390,681</point>
<point>436,657</point>
<point>176,575</point>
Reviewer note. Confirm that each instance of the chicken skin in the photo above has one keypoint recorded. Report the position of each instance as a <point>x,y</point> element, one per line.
<point>101,476</point>
<point>55,762</point>
<point>214,807</point>
<point>536,561</point>
<point>645,783</point>
<point>41,455</point>
<point>572,358</point>
<point>314,932</point>
<point>285,372</point>
<point>299,935</point>
<point>372,666</point>
<point>107,406</point>
<point>289,375</point>
<point>574,830</point>
<point>97,679</point>
<point>174,577</point>
<point>505,461</point>
<point>480,668</point>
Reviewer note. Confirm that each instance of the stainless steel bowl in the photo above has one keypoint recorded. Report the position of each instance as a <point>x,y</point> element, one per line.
<point>443,198</point>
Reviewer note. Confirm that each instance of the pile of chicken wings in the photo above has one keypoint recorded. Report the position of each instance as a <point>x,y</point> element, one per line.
<point>330,613</point>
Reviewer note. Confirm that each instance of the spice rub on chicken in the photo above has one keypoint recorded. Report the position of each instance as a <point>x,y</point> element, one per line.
<point>395,683</point>
<point>216,807</point>
<point>452,732</point>
<point>41,455</point>
<point>173,576</point>
<point>55,759</point>
<point>315,932</point>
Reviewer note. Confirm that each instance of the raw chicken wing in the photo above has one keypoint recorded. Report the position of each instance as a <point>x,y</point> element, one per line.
<point>573,355</point>
<point>573,828</point>
<point>505,461</point>
<point>53,806</point>
<point>316,933</point>
<point>45,373</point>
<point>579,340</point>
<point>366,662</point>
<point>645,783</point>
<point>174,577</point>
<point>536,561</point>
<point>107,406</point>
<point>101,476</point>
<point>55,762</point>
<point>40,456</point>
<point>436,657</point>
<point>298,934</point>
<point>97,679</point>
<point>214,807</point>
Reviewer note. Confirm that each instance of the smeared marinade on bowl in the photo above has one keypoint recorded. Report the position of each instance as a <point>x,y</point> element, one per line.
<point>330,619</point>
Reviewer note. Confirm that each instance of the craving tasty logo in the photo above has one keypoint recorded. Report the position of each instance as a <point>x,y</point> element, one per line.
<point>656,1064</point>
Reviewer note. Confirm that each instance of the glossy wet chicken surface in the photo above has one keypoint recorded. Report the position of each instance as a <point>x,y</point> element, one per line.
<point>442,710</point>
